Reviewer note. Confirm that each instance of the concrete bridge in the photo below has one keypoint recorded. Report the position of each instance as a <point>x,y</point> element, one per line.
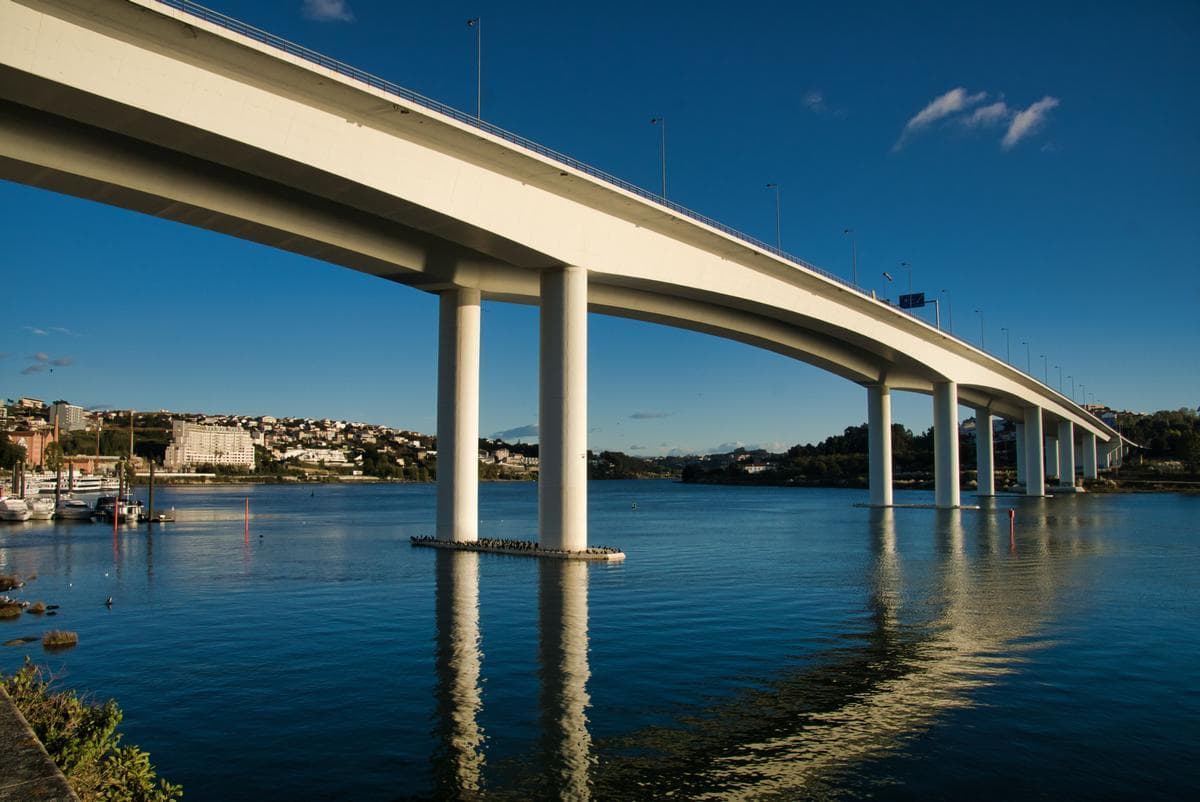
<point>167,108</point>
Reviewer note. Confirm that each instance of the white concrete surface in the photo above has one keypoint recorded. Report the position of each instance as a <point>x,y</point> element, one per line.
<point>1035,468</point>
<point>984,453</point>
<point>945,445</point>
<point>879,444</point>
<point>1089,455</point>
<point>1066,454</point>
<point>458,416</point>
<point>562,419</point>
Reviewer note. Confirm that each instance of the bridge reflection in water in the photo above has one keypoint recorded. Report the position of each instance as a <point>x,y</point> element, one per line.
<point>938,632</point>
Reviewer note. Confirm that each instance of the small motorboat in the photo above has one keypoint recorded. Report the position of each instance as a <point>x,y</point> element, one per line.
<point>73,509</point>
<point>126,509</point>
<point>41,509</point>
<point>14,509</point>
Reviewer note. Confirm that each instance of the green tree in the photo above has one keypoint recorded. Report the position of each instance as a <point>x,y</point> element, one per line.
<point>10,453</point>
<point>52,457</point>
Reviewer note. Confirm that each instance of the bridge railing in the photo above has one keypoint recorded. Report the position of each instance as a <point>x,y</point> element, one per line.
<point>374,81</point>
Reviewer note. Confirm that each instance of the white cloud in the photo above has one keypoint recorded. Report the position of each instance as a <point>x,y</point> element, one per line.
<point>328,10</point>
<point>650,415</point>
<point>1027,121</point>
<point>940,107</point>
<point>814,100</point>
<point>988,115</point>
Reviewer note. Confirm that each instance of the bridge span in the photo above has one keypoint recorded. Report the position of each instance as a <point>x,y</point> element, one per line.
<point>173,110</point>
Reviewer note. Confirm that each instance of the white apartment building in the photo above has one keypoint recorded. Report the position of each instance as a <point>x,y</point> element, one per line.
<point>195,444</point>
<point>69,417</point>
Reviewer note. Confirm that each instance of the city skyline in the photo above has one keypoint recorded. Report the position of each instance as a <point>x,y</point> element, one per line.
<point>1076,216</point>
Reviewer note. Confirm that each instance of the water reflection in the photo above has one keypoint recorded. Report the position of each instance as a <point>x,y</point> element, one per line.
<point>887,587</point>
<point>940,627</point>
<point>459,759</point>
<point>563,658</point>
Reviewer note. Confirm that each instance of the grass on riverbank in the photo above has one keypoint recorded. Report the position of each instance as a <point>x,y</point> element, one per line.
<point>82,739</point>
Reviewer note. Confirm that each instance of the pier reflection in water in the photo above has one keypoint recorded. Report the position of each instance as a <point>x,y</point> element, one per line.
<point>933,640</point>
<point>459,758</point>
<point>565,754</point>
<point>758,643</point>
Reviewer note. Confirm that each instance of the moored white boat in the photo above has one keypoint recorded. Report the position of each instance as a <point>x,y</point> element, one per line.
<point>14,509</point>
<point>74,509</point>
<point>44,484</point>
<point>40,509</point>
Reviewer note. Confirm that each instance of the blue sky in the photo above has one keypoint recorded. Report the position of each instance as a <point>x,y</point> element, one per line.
<point>1041,162</point>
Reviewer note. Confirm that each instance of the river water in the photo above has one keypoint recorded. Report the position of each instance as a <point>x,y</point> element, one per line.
<point>758,643</point>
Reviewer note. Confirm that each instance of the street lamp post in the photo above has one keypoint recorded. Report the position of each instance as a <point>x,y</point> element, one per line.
<point>661,122</point>
<point>1072,378</point>
<point>949,313</point>
<point>1007,345</point>
<point>1027,360</point>
<point>1083,393</point>
<point>778,230</point>
<point>982,345</point>
<point>853,255</point>
<point>1045,370</point>
<point>1059,369</point>
<point>477,24</point>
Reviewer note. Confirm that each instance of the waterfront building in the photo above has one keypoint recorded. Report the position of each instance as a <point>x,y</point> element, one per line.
<point>197,444</point>
<point>316,456</point>
<point>69,417</point>
<point>34,441</point>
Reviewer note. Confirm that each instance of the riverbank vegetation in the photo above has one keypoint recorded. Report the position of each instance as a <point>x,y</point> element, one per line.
<point>83,741</point>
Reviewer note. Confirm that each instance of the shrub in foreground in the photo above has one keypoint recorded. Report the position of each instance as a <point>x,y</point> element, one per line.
<point>82,739</point>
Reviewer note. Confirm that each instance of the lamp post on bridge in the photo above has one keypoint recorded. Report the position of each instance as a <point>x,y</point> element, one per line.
<point>778,230</point>
<point>1072,378</point>
<point>982,345</point>
<point>1083,393</point>
<point>949,312</point>
<point>1027,360</point>
<point>853,255</point>
<point>661,122</point>
<point>1059,369</point>
<point>477,24</point>
<point>1007,345</point>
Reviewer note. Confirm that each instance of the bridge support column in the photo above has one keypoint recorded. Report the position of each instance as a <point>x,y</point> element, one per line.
<point>1089,456</point>
<point>1066,454</point>
<point>562,410</point>
<point>984,454</point>
<point>879,444</point>
<point>1019,451</point>
<point>945,445</point>
<point>1035,469</point>
<point>458,416</point>
<point>1050,455</point>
